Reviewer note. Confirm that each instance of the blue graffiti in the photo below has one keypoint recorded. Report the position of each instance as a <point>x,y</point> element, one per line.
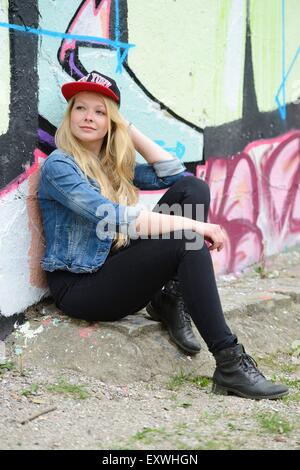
<point>118,45</point>
<point>282,88</point>
<point>120,58</point>
<point>178,151</point>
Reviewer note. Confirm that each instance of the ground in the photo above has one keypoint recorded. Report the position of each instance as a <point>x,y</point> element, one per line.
<point>174,410</point>
<point>181,413</point>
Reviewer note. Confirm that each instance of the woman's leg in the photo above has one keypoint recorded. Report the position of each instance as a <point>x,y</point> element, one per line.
<point>122,286</point>
<point>188,197</point>
<point>128,280</point>
<point>191,195</point>
<point>236,372</point>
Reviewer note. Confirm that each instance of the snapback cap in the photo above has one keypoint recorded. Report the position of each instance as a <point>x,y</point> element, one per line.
<point>95,82</point>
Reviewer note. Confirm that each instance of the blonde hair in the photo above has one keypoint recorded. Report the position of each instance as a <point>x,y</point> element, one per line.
<point>113,168</point>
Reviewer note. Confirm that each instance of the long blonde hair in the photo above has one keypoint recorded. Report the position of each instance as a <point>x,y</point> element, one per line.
<point>113,168</point>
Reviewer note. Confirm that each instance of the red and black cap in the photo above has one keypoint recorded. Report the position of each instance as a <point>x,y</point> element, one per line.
<point>95,82</point>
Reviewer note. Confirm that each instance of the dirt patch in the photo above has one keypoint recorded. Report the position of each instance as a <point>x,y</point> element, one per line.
<point>180,413</point>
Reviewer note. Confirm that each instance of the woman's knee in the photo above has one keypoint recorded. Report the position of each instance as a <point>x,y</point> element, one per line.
<point>197,184</point>
<point>198,193</point>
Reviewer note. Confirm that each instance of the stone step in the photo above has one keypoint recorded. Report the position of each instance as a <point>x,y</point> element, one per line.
<point>137,348</point>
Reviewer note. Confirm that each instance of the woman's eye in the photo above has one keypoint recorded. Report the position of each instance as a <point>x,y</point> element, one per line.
<point>79,107</point>
<point>99,112</point>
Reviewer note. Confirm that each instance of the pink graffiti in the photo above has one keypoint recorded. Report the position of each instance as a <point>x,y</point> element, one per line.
<point>256,198</point>
<point>280,186</point>
<point>87,332</point>
<point>89,20</point>
<point>14,184</point>
<point>37,275</point>
<point>234,205</point>
<point>37,242</point>
<point>158,192</point>
<point>46,321</point>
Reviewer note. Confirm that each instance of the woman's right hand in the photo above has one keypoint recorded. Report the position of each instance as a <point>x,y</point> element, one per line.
<point>212,233</point>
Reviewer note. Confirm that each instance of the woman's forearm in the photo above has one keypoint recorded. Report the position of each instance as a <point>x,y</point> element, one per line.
<point>153,223</point>
<point>151,151</point>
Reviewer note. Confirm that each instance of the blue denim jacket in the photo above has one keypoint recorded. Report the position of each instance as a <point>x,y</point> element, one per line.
<point>70,204</point>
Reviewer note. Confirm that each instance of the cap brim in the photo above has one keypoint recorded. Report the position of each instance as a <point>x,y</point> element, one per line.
<point>71,89</point>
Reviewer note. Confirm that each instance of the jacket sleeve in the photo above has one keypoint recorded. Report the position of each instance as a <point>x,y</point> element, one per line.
<point>63,182</point>
<point>159,175</point>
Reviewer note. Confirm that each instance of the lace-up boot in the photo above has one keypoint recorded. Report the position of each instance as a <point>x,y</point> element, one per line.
<point>168,306</point>
<point>237,374</point>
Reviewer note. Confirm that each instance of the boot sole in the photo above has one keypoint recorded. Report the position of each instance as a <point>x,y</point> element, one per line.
<point>219,390</point>
<point>154,315</point>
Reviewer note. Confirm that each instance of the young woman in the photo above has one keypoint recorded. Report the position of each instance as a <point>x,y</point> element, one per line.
<point>107,257</point>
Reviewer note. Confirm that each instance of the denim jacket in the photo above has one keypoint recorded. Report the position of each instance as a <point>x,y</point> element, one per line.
<point>71,206</point>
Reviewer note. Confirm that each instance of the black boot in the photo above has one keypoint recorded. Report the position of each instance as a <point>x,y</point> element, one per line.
<point>168,307</point>
<point>236,373</point>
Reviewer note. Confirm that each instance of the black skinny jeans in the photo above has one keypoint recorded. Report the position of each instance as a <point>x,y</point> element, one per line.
<point>130,277</point>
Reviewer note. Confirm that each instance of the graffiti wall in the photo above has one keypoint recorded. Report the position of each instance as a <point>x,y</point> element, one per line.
<point>215,83</point>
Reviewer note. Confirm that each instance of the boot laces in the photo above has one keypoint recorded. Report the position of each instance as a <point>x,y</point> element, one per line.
<point>249,365</point>
<point>185,314</point>
<point>173,288</point>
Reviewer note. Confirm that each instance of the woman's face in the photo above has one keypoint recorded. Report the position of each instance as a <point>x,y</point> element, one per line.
<point>89,121</point>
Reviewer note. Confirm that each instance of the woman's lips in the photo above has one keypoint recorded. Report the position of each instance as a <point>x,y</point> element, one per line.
<point>86,128</point>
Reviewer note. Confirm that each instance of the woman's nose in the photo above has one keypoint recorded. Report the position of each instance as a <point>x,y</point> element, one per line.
<point>88,116</point>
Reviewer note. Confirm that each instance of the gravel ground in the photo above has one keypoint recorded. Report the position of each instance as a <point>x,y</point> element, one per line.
<point>179,414</point>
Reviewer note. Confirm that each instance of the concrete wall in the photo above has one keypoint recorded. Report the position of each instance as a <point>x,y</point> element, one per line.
<point>214,82</point>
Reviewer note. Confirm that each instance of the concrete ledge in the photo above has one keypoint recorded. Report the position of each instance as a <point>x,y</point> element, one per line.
<point>263,312</point>
<point>137,348</point>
